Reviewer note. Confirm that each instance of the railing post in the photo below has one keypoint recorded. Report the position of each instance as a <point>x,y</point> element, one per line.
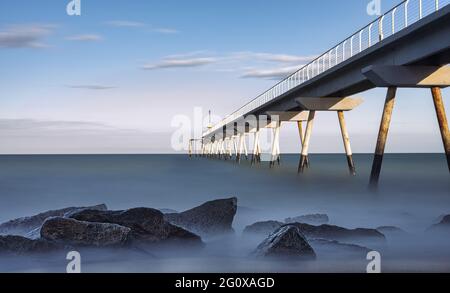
<point>420,9</point>
<point>393,20</point>
<point>370,34</point>
<point>406,12</point>
<point>436,2</point>
<point>360,40</point>
<point>380,29</point>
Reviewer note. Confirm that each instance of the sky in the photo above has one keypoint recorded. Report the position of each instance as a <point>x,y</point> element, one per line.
<point>114,79</point>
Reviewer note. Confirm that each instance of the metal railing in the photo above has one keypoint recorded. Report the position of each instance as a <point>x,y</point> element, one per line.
<point>388,24</point>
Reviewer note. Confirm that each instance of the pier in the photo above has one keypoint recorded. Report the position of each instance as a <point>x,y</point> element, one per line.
<point>406,47</point>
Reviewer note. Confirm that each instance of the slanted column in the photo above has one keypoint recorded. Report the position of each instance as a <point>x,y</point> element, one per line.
<point>190,148</point>
<point>346,139</point>
<point>245,146</point>
<point>382,136</point>
<point>305,147</point>
<point>276,144</point>
<point>256,148</point>
<point>442,120</point>
<point>302,138</point>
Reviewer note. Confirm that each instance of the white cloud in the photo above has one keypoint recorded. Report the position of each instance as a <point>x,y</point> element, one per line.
<point>275,73</point>
<point>85,38</point>
<point>180,62</point>
<point>125,23</point>
<point>280,58</point>
<point>25,36</point>
<point>167,31</point>
<point>91,87</point>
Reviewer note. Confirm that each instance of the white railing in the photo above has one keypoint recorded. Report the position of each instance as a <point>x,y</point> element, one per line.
<point>390,23</point>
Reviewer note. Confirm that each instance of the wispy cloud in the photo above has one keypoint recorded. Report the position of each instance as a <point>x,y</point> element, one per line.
<point>280,58</point>
<point>246,64</point>
<point>25,36</point>
<point>125,23</point>
<point>32,124</point>
<point>275,73</point>
<point>163,30</point>
<point>137,24</point>
<point>85,38</point>
<point>91,87</point>
<point>180,62</point>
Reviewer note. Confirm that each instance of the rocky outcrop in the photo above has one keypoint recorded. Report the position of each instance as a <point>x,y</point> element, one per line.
<point>442,226</point>
<point>337,249</point>
<point>146,224</point>
<point>21,245</point>
<point>286,242</point>
<point>336,233</point>
<point>313,219</point>
<point>79,233</point>
<point>209,219</point>
<point>262,228</point>
<point>26,225</point>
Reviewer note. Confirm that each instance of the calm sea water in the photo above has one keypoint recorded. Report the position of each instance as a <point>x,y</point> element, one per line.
<point>414,190</point>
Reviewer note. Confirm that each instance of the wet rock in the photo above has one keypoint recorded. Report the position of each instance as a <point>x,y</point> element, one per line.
<point>313,219</point>
<point>21,245</point>
<point>168,211</point>
<point>209,219</point>
<point>391,230</point>
<point>262,228</point>
<point>336,233</point>
<point>337,249</point>
<point>442,226</point>
<point>286,242</point>
<point>79,233</point>
<point>146,224</point>
<point>24,226</point>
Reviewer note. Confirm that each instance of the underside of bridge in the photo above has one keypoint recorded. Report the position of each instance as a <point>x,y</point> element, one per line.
<point>415,57</point>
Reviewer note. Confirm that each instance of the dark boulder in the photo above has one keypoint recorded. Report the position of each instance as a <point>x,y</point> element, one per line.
<point>329,232</point>
<point>262,228</point>
<point>146,224</point>
<point>79,233</point>
<point>209,219</point>
<point>337,249</point>
<point>24,226</point>
<point>313,219</point>
<point>442,226</point>
<point>286,242</point>
<point>21,245</point>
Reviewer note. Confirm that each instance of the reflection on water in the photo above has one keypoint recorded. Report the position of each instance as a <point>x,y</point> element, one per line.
<point>414,191</point>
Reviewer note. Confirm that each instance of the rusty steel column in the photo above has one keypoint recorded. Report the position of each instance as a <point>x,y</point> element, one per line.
<point>305,148</point>
<point>346,139</point>
<point>442,120</point>
<point>382,136</point>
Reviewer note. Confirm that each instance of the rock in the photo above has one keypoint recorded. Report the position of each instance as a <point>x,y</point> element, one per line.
<point>79,233</point>
<point>390,230</point>
<point>314,219</point>
<point>337,249</point>
<point>24,226</point>
<point>262,228</point>
<point>442,226</point>
<point>336,233</point>
<point>146,224</point>
<point>21,245</point>
<point>168,211</point>
<point>286,242</point>
<point>209,219</point>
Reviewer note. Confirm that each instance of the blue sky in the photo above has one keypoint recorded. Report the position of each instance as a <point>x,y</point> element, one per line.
<point>112,79</point>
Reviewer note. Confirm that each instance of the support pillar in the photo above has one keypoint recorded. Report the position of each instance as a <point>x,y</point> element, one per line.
<point>305,147</point>
<point>442,120</point>
<point>382,136</point>
<point>302,138</point>
<point>276,145</point>
<point>256,157</point>
<point>346,139</point>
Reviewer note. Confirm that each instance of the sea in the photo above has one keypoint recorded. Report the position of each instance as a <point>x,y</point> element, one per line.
<point>413,193</point>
